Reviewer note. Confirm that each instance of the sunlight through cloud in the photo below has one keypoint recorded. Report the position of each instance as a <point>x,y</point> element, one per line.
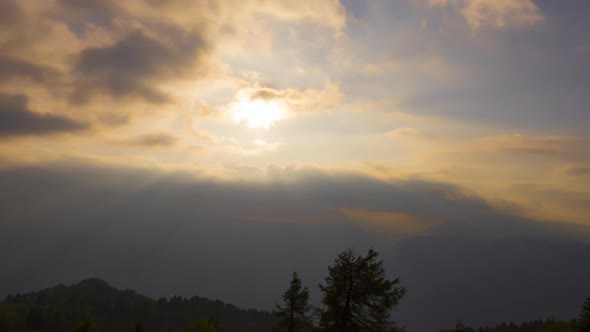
<point>258,113</point>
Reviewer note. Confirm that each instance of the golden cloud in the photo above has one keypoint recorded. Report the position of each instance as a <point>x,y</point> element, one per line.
<point>153,140</point>
<point>525,145</point>
<point>399,222</point>
<point>106,61</point>
<point>307,100</point>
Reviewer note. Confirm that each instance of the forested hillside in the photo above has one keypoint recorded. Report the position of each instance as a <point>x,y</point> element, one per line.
<point>61,308</point>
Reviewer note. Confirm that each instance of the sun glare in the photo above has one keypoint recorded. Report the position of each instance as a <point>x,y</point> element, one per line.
<point>258,113</point>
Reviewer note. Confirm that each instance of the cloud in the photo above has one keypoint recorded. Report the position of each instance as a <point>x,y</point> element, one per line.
<point>16,119</point>
<point>526,145</point>
<point>133,66</point>
<point>119,59</point>
<point>301,195</point>
<point>388,221</point>
<point>578,171</point>
<point>205,110</point>
<point>187,13</point>
<point>13,68</point>
<point>330,13</point>
<point>307,100</point>
<point>11,14</point>
<point>153,140</point>
<point>495,13</point>
<point>406,132</point>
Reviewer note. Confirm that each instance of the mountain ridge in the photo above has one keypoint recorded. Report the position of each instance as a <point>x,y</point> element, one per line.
<point>59,308</point>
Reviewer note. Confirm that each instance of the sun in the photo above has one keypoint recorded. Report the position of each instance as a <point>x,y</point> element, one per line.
<point>258,113</point>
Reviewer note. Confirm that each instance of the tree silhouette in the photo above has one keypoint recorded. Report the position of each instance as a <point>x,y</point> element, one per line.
<point>140,327</point>
<point>121,310</point>
<point>585,316</point>
<point>554,325</point>
<point>88,326</point>
<point>204,326</point>
<point>293,313</point>
<point>357,296</point>
<point>459,326</point>
<point>35,321</point>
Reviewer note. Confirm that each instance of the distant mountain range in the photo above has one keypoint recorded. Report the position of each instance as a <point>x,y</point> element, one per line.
<point>482,277</point>
<point>484,281</point>
<point>62,307</point>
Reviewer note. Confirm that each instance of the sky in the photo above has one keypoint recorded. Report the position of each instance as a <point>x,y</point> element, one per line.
<point>487,96</point>
<point>262,123</point>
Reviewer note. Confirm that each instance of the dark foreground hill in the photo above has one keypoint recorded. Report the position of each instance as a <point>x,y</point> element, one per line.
<point>61,307</point>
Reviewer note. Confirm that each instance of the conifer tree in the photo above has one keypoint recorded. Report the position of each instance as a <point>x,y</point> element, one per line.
<point>140,327</point>
<point>356,295</point>
<point>293,312</point>
<point>203,325</point>
<point>90,325</point>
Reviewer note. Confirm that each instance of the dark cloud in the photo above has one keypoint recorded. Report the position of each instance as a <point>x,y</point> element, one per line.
<point>132,67</point>
<point>154,140</point>
<point>16,119</point>
<point>95,11</point>
<point>11,14</point>
<point>305,195</point>
<point>295,195</point>
<point>11,68</point>
<point>578,171</point>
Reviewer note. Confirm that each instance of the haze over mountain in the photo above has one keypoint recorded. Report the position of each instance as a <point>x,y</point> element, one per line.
<point>164,236</point>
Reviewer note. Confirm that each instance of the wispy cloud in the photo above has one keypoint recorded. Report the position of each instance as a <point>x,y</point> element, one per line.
<point>525,145</point>
<point>578,171</point>
<point>153,140</point>
<point>495,13</point>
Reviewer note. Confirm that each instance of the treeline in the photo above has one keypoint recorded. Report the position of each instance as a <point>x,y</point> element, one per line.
<point>356,297</point>
<point>92,305</point>
<point>581,324</point>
